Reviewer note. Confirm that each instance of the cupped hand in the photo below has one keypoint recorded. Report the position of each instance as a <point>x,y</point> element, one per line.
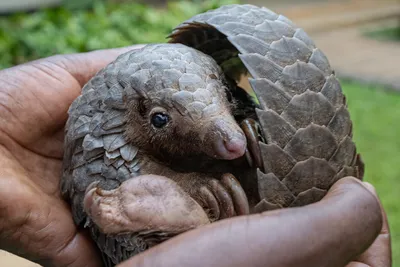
<point>330,233</point>
<point>35,222</point>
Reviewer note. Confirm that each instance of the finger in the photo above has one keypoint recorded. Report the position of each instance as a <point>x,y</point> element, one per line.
<point>309,233</point>
<point>79,251</point>
<point>385,226</point>
<point>224,199</point>
<point>238,195</point>
<point>357,264</point>
<point>380,252</point>
<point>84,66</point>
<point>41,229</point>
<point>344,185</point>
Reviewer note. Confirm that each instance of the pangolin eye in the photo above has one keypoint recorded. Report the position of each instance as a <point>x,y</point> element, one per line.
<point>159,120</point>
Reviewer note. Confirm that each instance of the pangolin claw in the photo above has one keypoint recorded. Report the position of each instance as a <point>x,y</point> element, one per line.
<point>238,195</point>
<point>224,198</point>
<point>251,129</point>
<point>211,203</point>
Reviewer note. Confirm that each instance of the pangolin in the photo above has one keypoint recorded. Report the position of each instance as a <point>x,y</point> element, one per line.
<point>163,140</point>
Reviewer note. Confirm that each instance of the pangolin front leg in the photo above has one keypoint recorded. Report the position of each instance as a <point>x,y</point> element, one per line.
<point>144,203</point>
<point>157,203</point>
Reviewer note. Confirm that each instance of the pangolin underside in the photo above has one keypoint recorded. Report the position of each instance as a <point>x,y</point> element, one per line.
<point>304,140</point>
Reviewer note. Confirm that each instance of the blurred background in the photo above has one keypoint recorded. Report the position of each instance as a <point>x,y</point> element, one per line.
<point>360,37</point>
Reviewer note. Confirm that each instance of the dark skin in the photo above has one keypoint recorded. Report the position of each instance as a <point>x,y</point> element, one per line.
<point>36,223</point>
<point>265,239</point>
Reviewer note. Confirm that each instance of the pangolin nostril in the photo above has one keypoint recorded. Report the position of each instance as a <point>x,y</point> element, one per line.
<point>231,147</point>
<point>229,141</point>
<point>236,145</point>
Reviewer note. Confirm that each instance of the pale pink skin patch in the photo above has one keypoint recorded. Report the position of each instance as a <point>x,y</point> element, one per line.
<point>147,202</point>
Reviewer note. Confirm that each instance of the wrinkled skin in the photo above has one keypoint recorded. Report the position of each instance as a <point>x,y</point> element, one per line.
<point>256,237</point>
<point>131,207</point>
<point>36,223</point>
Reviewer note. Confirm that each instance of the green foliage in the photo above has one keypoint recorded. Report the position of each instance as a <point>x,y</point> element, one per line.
<point>77,4</point>
<point>385,34</point>
<point>376,114</point>
<point>68,29</point>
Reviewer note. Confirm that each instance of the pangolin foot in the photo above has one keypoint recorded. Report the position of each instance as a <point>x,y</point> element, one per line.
<point>224,198</point>
<point>144,203</point>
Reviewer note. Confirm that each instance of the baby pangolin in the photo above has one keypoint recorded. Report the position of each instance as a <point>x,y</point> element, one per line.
<point>168,117</point>
<point>155,113</point>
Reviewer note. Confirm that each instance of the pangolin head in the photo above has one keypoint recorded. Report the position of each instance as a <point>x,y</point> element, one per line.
<point>179,104</point>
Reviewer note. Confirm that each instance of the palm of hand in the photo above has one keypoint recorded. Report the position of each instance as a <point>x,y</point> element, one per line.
<point>34,99</point>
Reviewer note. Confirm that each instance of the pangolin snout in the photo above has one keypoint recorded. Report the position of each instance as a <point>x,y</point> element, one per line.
<point>229,141</point>
<point>231,148</point>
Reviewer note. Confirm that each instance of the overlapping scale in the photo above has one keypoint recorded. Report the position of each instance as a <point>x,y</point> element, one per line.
<point>303,113</point>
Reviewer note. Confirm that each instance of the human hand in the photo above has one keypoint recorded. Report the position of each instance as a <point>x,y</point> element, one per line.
<point>35,223</point>
<point>331,232</point>
<point>380,252</point>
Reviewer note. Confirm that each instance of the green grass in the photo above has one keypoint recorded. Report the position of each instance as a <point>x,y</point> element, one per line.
<point>376,117</point>
<point>385,34</point>
<point>105,24</point>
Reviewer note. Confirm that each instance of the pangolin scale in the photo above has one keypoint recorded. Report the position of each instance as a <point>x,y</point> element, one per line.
<point>306,127</point>
<point>304,143</point>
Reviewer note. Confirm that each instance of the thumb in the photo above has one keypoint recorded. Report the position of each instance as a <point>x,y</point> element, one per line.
<point>61,243</point>
<point>83,66</point>
<point>37,94</point>
<point>40,228</point>
<point>380,252</point>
